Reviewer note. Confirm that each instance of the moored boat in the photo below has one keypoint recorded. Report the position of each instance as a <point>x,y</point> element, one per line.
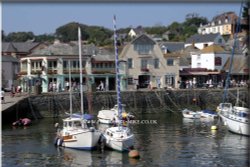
<point>22,122</point>
<point>235,118</point>
<point>110,116</point>
<point>208,114</point>
<point>76,132</point>
<point>190,114</point>
<point>118,138</point>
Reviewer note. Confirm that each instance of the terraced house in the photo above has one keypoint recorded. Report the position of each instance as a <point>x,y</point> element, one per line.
<point>49,67</point>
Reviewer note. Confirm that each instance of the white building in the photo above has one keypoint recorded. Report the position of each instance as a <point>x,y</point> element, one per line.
<point>212,57</point>
<point>202,41</point>
<point>223,24</point>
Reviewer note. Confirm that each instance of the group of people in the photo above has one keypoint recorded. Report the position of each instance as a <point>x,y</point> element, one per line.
<point>13,91</point>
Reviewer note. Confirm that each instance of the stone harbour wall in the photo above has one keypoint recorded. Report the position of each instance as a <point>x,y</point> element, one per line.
<point>137,102</point>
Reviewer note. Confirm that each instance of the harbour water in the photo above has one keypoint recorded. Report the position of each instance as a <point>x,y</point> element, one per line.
<point>167,141</point>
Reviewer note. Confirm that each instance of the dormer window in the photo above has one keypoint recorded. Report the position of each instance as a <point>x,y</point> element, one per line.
<point>143,49</point>
<point>205,45</point>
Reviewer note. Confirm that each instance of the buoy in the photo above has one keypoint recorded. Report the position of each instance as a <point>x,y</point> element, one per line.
<point>134,154</point>
<point>124,115</point>
<point>56,125</point>
<point>213,127</point>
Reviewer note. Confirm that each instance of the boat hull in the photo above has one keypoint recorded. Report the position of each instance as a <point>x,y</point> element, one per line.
<point>190,114</point>
<point>235,125</point>
<point>120,140</point>
<point>105,121</point>
<point>235,118</point>
<point>79,139</point>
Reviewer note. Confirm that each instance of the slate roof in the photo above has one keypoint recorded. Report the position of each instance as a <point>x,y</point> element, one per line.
<point>198,38</point>
<point>139,30</point>
<point>172,46</point>
<point>230,16</point>
<point>62,49</point>
<point>18,46</point>
<point>8,47</point>
<point>143,39</point>
<point>104,54</point>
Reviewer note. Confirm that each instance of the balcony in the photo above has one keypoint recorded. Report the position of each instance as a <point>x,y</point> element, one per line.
<point>144,70</point>
<point>23,72</point>
<point>52,71</point>
<point>35,72</point>
<point>74,71</point>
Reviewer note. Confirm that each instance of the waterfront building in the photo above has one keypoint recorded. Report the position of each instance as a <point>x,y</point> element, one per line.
<point>146,65</point>
<point>10,66</point>
<point>11,54</point>
<point>48,67</point>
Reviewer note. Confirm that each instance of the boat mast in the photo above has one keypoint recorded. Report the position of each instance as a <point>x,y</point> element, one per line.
<point>232,56</point>
<point>118,90</point>
<point>70,91</point>
<point>80,63</point>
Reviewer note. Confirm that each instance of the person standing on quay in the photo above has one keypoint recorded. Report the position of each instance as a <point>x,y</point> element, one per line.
<point>13,90</point>
<point>2,96</point>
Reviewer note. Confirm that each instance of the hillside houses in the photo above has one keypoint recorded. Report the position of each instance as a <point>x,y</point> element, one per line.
<point>135,32</point>
<point>224,24</point>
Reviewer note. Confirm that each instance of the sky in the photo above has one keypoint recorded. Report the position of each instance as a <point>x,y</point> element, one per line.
<point>41,18</point>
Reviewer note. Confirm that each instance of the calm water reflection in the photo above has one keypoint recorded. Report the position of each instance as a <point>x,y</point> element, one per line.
<point>173,142</point>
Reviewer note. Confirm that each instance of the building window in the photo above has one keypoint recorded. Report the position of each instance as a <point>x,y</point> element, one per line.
<point>130,63</point>
<point>36,65</point>
<point>217,61</point>
<point>130,81</point>
<point>75,64</point>
<point>169,80</point>
<point>156,63</point>
<point>65,64</point>
<point>143,49</point>
<point>170,62</point>
<point>24,66</point>
<point>198,57</point>
<point>198,65</point>
<point>52,65</point>
<point>220,41</point>
<point>144,64</point>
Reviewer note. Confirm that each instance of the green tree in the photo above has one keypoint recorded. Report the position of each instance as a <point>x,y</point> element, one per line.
<point>3,36</point>
<point>19,36</point>
<point>158,30</point>
<point>69,32</point>
<point>98,35</point>
<point>44,38</point>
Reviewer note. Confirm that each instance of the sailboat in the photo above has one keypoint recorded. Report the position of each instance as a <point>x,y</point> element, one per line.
<point>76,133</point>
<point>119,138</point>
<point>236,118</point>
